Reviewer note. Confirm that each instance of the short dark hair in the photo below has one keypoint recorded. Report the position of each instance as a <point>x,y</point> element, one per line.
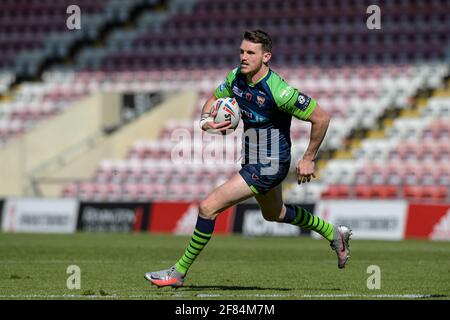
<point>259,36</point>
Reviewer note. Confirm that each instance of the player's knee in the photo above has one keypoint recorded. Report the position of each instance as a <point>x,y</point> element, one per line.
<point>206,210</point>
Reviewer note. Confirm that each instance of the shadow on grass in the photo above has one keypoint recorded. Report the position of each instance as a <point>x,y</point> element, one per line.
<point>230,288</point>
<point>248,288</point>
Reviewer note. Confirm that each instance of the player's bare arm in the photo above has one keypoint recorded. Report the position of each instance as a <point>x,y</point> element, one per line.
<point>319,124</point>
<point>207,118</point>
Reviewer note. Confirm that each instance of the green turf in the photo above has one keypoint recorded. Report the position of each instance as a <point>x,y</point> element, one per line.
<point>231,267</point>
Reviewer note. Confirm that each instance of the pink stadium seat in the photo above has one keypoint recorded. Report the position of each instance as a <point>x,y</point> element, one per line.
<point>113,192</point>
<point>442,153</point>
<point>70,190</point>
<point>176,191</point>
<point>444,175</point>
<point>378,176</point>
<point>147,173</point>
<point>412,173</point>
<point>119,173</point>
<point>394,173</point>
<point>100,192</point>
<point>203,190</point>
<point>158,191</point>
<point>103,174</point>
<point>363,176</point>
<point>87,190</point>
<point>190,192</point>
<point>428,176</point>
<point>437,130</point>
<point>131,191</point>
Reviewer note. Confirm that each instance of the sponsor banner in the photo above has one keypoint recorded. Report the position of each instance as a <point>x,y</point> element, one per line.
<point>428,221</point>
<point>180,218</point>
<point>371,219</point>
<point>249,221</point>
<point>40,215</point>
<point>113,216</point>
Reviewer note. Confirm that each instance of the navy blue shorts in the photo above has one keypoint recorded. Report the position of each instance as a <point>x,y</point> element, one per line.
<point>262,178</point>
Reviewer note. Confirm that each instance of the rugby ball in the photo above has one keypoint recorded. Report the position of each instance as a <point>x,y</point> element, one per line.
<point>227,110</point>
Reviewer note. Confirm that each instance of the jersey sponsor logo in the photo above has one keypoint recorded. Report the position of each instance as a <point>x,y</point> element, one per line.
<point>286,92</point>
<point>253,117</point>
<point>248,96</point>
<point>302,102</point>
<point>238,91</point>
<point>247,114</point>
<point>260,100</point>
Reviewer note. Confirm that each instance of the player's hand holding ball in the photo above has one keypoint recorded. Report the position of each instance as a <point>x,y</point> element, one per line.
<point>224,115</point>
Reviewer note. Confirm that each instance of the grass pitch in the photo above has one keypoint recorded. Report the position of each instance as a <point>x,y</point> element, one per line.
<point>34,266</point>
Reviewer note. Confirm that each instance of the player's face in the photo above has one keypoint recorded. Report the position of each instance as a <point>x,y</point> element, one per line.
<point>252,57</point>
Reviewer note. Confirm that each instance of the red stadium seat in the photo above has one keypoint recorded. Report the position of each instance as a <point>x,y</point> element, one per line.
<point>384,191</point>
<point>435,193</point>
<point>376,191</point>
<point>364,191</point>
<point>336,191</point>
<point>418,192</point>
<point>412,192</point>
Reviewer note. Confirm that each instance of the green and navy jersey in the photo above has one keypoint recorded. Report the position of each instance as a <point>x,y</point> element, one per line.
<point>268,104</point>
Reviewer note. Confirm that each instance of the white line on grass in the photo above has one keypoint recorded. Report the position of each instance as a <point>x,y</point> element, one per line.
<point>56,296</point>
<point>57,261</point>
<point>401,296</point>
<point>257,295</point>
<point>93,261</point>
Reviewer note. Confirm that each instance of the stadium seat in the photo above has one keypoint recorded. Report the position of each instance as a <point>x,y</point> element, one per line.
<point>436,193</point>
<point>70,190</point>
<point>336,191</point>
<point>363,191</point>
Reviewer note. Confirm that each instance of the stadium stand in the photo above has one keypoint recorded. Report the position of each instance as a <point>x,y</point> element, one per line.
<point>386,90</point>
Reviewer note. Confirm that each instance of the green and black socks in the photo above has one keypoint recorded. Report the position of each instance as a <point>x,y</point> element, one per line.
<point>300,217</point>
<point>204,228</point>
<point>202,233</point>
